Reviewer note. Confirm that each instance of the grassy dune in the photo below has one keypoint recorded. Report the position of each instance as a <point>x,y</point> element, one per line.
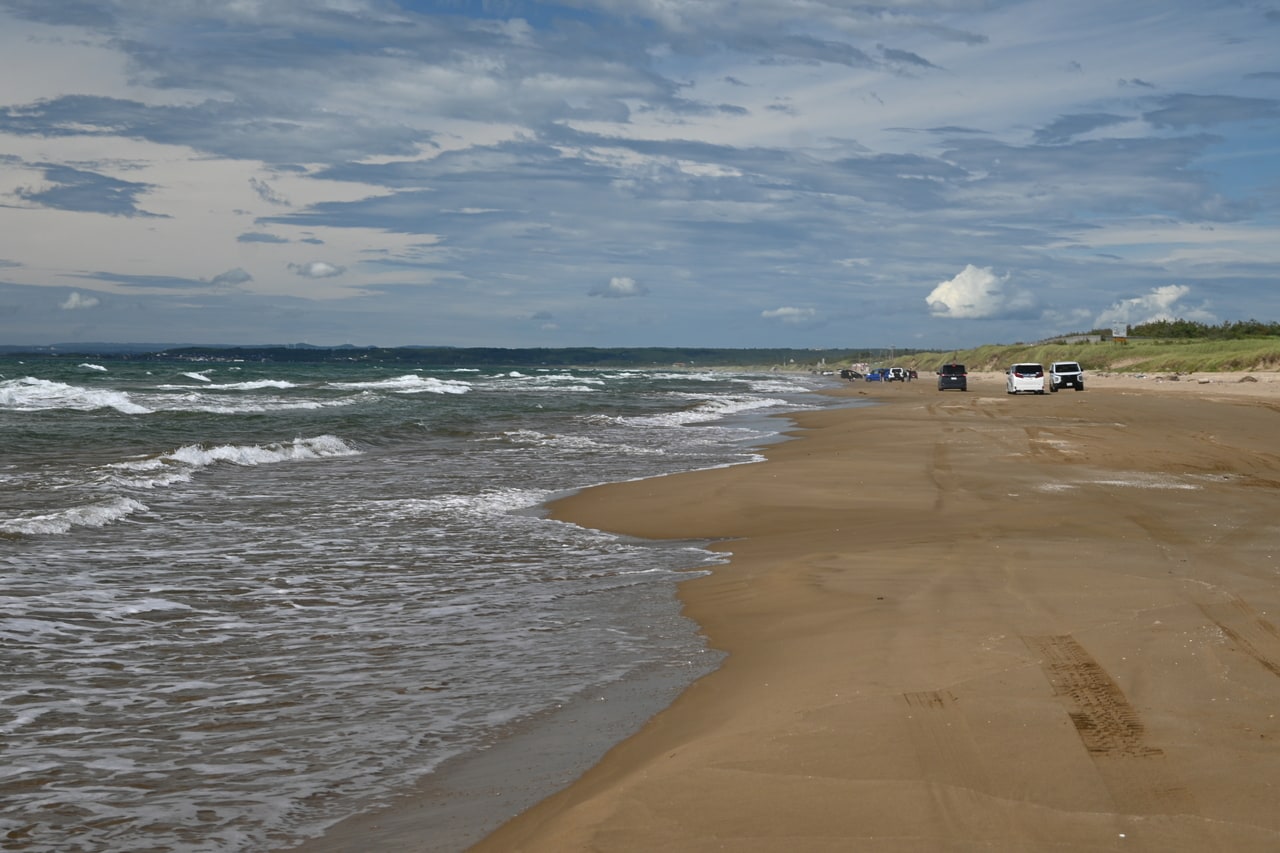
<point>1190,356</point>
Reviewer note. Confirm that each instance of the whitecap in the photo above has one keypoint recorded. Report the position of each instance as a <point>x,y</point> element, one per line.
<point>29,394</point>
<point>708,410</point>
<point>255,385</point>
<point>179,465</point>
<point>98,514</point>
<point>263,454</point>
<point>408,384</point>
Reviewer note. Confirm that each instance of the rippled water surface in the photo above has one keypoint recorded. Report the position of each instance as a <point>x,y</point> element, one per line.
<point>242,599</point>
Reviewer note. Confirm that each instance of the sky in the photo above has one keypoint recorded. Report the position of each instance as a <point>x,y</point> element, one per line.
<point>931,174</point>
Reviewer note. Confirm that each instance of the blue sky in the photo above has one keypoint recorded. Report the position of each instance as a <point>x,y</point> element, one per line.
<point>793,173</point>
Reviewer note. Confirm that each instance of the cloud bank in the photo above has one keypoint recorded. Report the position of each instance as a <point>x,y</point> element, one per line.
<point>395,171</point>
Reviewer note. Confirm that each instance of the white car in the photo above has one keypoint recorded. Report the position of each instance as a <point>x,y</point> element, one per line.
<point>1024,377</point>
<point>1066,374</point>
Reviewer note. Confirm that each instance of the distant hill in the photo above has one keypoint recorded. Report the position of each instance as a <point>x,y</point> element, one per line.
<point>106,348</point>
<point>93,348</point>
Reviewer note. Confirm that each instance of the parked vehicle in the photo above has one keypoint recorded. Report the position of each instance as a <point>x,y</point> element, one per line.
<point>1024,377</point>
<point>876,375</point>
<point>953,376</point>
<point>896,374</point>
<point>1066,374</point>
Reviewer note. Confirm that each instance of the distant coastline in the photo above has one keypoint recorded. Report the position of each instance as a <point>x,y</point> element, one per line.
<point>632,357</point>
<point>1172,355</point>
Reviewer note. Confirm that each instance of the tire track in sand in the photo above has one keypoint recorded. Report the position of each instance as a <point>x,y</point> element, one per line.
<point>1112,731</point>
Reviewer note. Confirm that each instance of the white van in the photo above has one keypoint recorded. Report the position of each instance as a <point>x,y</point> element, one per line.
<point>1066,374</point>
<point>1024,377</point>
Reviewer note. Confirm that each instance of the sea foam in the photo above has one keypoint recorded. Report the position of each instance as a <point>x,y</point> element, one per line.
<point>179,465</point>
<point>98,514</point>
<point>31,394</point>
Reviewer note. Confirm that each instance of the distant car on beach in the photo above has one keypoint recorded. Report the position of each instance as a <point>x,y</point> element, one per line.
<point>1066,374</point>
<point>1024,377</point>
<point>953,375</point>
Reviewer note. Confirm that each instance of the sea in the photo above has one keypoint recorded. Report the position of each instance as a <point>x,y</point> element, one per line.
<point>240,600</point>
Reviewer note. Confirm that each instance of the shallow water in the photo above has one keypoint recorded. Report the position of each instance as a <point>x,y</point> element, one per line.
<point>242,599</point>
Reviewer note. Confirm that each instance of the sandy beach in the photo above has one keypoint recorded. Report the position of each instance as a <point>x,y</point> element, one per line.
<point>960,621</point>
<point>963,621</point>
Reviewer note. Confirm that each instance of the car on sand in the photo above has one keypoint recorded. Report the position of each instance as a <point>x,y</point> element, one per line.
<point>953,376</point>
<point>1066,374</point>
<point>1024,377</point>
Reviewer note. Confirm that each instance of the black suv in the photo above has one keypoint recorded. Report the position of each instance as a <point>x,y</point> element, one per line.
<point>1066,374</point>
<point>953,376</point>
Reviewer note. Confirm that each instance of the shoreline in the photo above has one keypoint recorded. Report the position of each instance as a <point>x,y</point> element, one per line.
<point>471,795</point>
<point>906,628</point>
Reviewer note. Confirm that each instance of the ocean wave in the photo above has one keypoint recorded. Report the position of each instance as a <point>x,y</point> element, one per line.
<point>97,514</point>
<point>253,385</point>
<point>568,442</point>
<point>29,394</point>
<point>489,503</point>
<point>179,465</point>
<point>208,401</point>
<point>408,384</point>
<point>706,410</point>
<point>776,385</point>
<point>558,382</point>
<point>693,376</point>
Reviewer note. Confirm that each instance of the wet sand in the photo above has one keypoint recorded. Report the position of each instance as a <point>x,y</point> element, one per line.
<point>966,621</point>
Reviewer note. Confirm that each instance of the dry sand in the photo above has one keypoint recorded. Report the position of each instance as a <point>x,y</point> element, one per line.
<point>955,622</point>
<point>966,621</point>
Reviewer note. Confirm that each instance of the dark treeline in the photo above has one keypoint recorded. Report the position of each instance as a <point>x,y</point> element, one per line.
<point>1232,330</point>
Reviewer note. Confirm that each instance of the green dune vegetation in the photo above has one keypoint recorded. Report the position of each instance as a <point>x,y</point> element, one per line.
<point>1177,346</point>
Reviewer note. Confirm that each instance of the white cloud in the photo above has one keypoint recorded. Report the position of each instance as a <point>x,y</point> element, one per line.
<point>1162,303</point>
<point>76,302</point>
<point>317,269</point>
<point>977,292</point>
<point>619,287</point>
<point>787,314</point>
